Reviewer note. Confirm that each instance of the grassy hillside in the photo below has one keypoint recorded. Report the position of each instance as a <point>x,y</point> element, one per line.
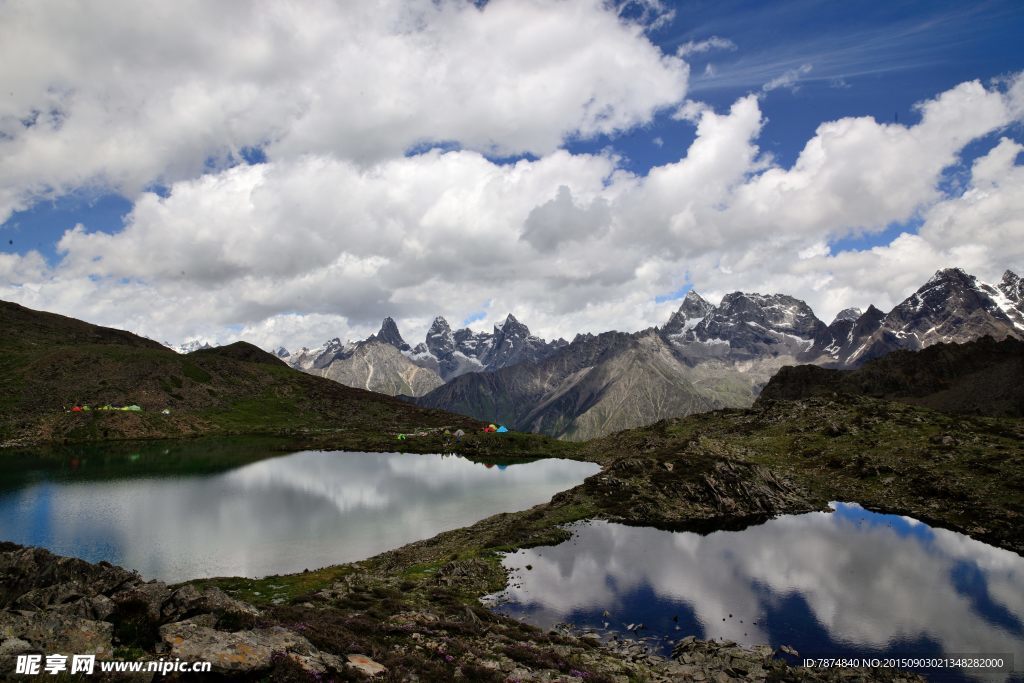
<point>49,363</point>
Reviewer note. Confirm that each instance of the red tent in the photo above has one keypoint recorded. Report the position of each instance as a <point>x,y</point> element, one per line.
<point>76,409</point>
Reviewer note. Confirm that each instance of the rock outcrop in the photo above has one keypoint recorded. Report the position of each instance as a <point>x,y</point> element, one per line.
<point>61,605</point>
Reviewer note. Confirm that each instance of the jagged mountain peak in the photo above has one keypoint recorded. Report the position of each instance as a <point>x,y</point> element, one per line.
<point>511,327</point>
<point>848,314</point>
<point>947,287</point>
<point>953,306</point>
<point>749,324</point>
<point>694,305</point>
<point>440,341</point>
<point>1012,286</point>
<point>439,324</point>
<point>951,276</point>
<point>778,309</point>
<point>691,311</point>
<point>389,334</point>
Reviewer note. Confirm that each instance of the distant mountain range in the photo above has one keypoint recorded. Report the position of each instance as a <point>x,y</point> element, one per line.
<point>386,363</point>
<point>705,357</point>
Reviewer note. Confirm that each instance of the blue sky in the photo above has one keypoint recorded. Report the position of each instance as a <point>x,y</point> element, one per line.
<point>866,59</point>
<point>284,189</point>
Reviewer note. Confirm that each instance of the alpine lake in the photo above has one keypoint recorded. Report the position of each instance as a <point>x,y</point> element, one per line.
<point>181,510</point>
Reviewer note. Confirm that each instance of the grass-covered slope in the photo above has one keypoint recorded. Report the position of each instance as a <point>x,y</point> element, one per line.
<point>49,363</point>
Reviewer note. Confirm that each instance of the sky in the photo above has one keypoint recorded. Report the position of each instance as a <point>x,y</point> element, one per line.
<point>286,173</point>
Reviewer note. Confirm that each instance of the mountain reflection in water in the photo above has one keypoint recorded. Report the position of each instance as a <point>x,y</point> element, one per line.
<point>277,515</point>
<point>852,583</point>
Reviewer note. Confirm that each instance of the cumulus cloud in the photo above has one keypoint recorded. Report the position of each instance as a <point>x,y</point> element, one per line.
<point>562,220</point>
<point>341,226</point>
<point>122,95</point>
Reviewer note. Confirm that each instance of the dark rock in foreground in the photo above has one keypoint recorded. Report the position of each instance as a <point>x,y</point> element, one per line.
<point>52,604</point>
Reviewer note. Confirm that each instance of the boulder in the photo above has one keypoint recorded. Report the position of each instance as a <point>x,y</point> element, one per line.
<point>52,632</point>
<point>243,651</point>
<point>188,601</point>
<point>366,665</point>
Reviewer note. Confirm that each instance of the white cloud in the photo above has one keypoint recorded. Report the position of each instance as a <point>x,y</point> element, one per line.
<point>121,94</point>
<point>694,47</point>
<point>789,79</point>
<point>324,240</point>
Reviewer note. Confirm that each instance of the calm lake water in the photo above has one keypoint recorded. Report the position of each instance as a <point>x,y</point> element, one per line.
<point>849,583</point>
<point>179,512</point>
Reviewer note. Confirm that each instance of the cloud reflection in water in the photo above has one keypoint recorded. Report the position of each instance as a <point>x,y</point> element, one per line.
<point>851,582</point>
<point>304,510</point>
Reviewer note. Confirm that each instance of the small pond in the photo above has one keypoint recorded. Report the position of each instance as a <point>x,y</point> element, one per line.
<point>847,583</point>
<point>178,512</point>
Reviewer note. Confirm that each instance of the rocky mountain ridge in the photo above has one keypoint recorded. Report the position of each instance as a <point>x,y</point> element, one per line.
<point>709,357</point>
<point>704,357</point>
<point>385,362</point>
<point>953,306</point>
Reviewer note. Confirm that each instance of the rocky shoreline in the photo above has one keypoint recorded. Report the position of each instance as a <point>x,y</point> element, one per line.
<point>52,604</point>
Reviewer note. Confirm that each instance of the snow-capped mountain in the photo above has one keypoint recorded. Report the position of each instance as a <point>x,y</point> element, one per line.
<point>705,356</point>
<point>844,335</point>
<point>443,355</point>
<point>692,311</point>
<point>307,359</point>
<point>708,356</point>
<point>952,306</point>
<point>848,315</point>
<point>1010,298</point>
<point>743,326</point>
<point>451,353</point>
<point>376,363</point>
<point>189,346</point>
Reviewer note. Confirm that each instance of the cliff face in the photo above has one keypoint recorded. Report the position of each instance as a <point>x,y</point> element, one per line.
<point>380,367</point>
